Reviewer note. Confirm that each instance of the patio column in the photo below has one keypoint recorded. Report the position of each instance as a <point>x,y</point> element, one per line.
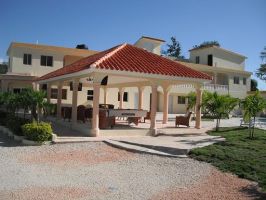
<point>36,86</point>
<point>75,100</point>
<point>95,113</point>
<point>166,90</point>
<point>4,85</point>
<point>140,105</point>
<point>48,92</point>
<point>198,107</point>
<point>153,130</point>
<point>59,99</point>
<point>215,79</point>
<point>105,94</point>
<point>121,93</point>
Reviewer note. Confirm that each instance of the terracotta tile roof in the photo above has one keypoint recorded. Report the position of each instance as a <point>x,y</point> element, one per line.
<point>129,58</point>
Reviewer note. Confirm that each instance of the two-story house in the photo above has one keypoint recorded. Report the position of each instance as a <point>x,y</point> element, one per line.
<point>29,61</point>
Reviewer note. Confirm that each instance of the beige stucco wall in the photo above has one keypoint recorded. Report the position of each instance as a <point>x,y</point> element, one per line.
<point>221,58</point>
<point>150,45</point>
<point>35,69</point>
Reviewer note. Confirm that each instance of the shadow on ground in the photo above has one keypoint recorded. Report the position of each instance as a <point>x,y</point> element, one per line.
<point>6,141</point>
<point>253,192</point>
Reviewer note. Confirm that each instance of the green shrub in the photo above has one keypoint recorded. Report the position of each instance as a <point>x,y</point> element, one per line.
<point>38,132</point>
<point>15,123</point>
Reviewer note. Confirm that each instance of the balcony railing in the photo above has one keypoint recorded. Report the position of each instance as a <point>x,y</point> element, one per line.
<point>210,87</point>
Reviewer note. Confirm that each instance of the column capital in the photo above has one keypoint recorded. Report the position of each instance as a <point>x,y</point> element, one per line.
<point>121,89</point>
<point>198,86</point>
<point>141,88</point>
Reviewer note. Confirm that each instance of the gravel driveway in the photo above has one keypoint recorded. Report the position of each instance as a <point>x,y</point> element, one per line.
<point>98,171</point>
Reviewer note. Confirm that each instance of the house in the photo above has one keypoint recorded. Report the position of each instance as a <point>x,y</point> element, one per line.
<point>30,61</point>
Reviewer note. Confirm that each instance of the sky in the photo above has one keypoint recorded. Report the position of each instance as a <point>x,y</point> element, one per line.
<point>238,25</point>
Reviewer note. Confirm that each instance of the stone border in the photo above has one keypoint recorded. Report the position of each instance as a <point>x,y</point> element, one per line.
<point>23,139</point>
<point>34,143</point>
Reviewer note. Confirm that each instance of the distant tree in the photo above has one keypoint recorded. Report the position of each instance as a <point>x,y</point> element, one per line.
<point>263,55</point>
<point>81,46</point>
<point>207,44</point>
<point>253,85</point>
<point>3,68</point>
<point>174,49</point>
<point>261,72</point>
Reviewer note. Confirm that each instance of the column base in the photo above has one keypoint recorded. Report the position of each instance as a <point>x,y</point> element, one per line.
<point>94,132</point>
<point>153,132</point>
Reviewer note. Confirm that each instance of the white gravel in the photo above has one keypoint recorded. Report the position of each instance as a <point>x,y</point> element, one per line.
<point>93,171</point>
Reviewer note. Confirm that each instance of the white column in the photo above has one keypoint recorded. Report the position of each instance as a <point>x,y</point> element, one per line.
<point>140,105</point>
<point>95,113</point>
<point>75,100</point>
<point>105,95</point>
<point>166,90</point>
<point>36,86</point>
<point>121,93</point>
<point>59,99</point>
<point>198,107</point>
<point>153,109</point>
<point>4,85</point>
<point>48,92</point>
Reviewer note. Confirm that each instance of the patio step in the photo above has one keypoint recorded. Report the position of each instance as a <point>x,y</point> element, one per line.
<point>141,149</point>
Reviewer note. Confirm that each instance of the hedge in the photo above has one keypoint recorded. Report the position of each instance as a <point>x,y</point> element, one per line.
<point>38,132</point>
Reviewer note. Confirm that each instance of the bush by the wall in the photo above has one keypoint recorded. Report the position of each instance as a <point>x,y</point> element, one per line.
<point>38,132</point>
<point>15,124</point>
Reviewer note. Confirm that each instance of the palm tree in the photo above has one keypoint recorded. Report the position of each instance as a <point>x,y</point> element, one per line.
<point>219,106</point>
<point>252,105</point>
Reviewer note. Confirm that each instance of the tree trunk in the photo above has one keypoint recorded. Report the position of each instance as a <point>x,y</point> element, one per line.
<point>217,124</point>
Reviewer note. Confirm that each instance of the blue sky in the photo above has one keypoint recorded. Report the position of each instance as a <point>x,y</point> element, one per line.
<point>239,25</point>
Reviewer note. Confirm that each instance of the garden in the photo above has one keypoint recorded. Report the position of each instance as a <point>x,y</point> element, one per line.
<point>20,116</point>
<point>244,150</point>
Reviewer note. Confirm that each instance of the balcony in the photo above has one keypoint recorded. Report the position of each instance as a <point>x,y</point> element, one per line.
<point>185,88</point>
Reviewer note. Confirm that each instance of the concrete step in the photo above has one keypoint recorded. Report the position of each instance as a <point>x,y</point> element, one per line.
<point>141,149</point>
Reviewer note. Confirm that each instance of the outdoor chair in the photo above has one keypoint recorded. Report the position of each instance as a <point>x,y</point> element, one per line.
<point>88,114</point>
<point>81,113</point>
<point>148,116</point>
<point>183,120</point>
<point>104,120</point>
<point>66,113</point>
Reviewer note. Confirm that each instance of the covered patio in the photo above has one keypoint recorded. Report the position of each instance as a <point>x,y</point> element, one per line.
<point>121,67</point>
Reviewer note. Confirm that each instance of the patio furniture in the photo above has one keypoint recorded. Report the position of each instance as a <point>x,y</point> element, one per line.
<point>106,106</point>
<point>134,120</point>
<point>105,120</point>
<point>66,113</point>
<point>81,113</point>
<point>183,120</point>
<point>148,116</point>
<point>88,114</point>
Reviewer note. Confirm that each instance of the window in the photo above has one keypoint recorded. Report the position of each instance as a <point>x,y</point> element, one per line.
<point>125,97</point>
<point>27,59</point>
<point>90,95</point>
<point>210,60</point>
<point>54,93</point>
<point>47,61</point>
<point>181,100</point>
<point>244,81</point>
<point>236,80</point>
<point>197,59</point>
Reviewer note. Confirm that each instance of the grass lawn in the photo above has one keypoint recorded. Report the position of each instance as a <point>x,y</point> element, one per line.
<point>238,154</point>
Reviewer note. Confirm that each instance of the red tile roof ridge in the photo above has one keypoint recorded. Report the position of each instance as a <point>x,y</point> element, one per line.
<point>108,55</point>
